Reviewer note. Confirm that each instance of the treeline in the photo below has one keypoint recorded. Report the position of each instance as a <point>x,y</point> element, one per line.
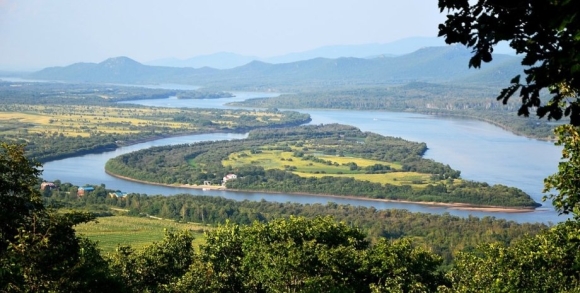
<point>444,234</point>
<point>41,252</point>
<point>468,192</point>
<point>201,162</point>
<point>203,95</point>
<point>470,101</point>
<point>24,92</point>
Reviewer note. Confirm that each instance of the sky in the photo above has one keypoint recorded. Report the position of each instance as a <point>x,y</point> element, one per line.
<point>38,33</point>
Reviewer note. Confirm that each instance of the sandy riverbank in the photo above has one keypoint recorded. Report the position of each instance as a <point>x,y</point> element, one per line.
<point>453,206</point>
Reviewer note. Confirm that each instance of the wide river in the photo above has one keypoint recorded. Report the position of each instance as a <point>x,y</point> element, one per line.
<point>481,151</point>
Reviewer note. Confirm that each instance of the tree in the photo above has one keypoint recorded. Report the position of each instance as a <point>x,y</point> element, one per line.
<point>39,251</point>
<point>307,255</point>
<point>19,200</point>
<point>547,262</point>
<point>566,181</point>
<point>546,32</point>
<point>152,268</point>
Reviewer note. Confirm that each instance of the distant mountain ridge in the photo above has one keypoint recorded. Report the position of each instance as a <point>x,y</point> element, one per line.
<point>225,60</point>
<point>431,64</point>
<point>221,60</point>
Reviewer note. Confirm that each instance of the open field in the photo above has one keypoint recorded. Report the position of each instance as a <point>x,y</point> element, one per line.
<point>74,120</point>
<point>335,166</point>
<point>395,178</point>
<point>82,120</point>
<point>134,231</point>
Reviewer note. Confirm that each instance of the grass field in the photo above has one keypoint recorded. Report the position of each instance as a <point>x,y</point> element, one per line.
<point>396,178</point>
<point>137,232</point>
<point>334,166</point>
<point>80,120</point>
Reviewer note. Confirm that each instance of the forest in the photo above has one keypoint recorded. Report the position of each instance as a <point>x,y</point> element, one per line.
<point>267,247</point>
<point>445,235</point>
<point>195,164</point>
<point>459,101</point>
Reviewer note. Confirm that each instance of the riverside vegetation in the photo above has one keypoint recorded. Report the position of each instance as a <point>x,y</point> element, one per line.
<point>278,252</point>
<point>63,120</point>
<point>322,159</point>
<point>462,101</point>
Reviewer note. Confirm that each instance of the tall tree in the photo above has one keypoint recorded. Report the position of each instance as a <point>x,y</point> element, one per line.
<point>547,34</point>
<point>39,251</point>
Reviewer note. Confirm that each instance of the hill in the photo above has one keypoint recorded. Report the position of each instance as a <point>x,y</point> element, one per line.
<point>431,64</point>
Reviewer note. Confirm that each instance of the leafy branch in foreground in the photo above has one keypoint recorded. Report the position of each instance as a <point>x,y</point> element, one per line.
<point>545,32</point>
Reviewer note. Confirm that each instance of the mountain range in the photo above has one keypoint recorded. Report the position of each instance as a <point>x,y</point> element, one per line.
<point>227,60</point>
<point>430,64</point>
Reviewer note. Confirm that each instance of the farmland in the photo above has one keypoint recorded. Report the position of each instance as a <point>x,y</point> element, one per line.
<point>63,120</point>
<point>136,232</point>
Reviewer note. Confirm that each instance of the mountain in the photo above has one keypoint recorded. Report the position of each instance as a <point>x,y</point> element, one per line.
<point>430,64</point>
<point>117,70</point>
<point>222,60</point>
<point>226,60</point>
<point>400,47</point>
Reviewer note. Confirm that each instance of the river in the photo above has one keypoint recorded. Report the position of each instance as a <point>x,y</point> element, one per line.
<point>481,151</point>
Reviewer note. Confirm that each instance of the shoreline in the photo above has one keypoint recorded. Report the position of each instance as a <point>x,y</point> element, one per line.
<point>452,206</point>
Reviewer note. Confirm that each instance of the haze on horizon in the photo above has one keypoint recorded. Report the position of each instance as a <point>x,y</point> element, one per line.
<point>37,34</point>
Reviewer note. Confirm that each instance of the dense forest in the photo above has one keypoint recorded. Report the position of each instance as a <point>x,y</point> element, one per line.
<point>197,163</point>
<point>277,252</point>
<point>462,101</point>
<point>445,235</point>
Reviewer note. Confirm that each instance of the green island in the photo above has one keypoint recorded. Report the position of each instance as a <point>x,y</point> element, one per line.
<point>330,159</point>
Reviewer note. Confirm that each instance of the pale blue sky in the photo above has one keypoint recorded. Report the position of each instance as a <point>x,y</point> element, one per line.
<point>40,33</point>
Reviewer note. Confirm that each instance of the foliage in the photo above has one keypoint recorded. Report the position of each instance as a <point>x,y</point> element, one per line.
<point>39,251</point>
<point>455,100</point>
<point>443,234</point>
<point>547,262</point>
<point>566,180</point>
<point>546,32</point>
<point>155,266</point>
<point>300,255</point>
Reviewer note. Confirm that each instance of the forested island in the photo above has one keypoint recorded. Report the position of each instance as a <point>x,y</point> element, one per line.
<point>328,159</point>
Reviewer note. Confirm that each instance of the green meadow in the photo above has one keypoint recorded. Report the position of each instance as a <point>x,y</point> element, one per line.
<point>136,232</point>
<point>336,166</point>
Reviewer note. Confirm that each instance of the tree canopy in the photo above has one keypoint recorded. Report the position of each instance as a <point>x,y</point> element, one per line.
<point>39,251</point>
<point>545,32</point>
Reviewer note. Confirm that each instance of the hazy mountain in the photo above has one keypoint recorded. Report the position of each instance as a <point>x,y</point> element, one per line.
<point>222,60</point>
<point>400,47</point>
<point>225,60</point>
<point>118,70</point>
<point>431,64</point>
